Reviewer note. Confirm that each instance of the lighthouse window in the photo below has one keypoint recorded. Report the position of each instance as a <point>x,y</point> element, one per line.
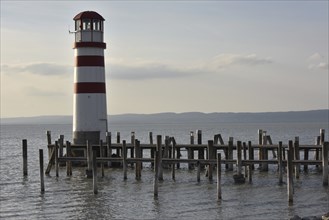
<point>77,25</point>
<point>96,25</point>
<point>86,24</point>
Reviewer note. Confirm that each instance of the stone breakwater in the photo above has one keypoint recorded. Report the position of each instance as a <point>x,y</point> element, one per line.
<point>323,217</point>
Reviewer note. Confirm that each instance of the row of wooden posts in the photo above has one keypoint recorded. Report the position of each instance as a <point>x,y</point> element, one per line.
<point>169,153</point>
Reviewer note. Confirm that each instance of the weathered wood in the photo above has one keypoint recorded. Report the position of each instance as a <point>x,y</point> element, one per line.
<point>139,163</point>
<point>269,141</point>
<point>56,158</point>
<point>173,144</point>
<point>230,153</point>
<point>264,166</point>
<point>317,151</point>
<point>190,152</point>
<point>296,157</point>
<point>48,133</point>
<point>159,149</point>
<point>118,137</point>
<point>166,151</point>
<point>290,187</point>
<point>211,156</point>
<point>200,151</point>
<point>42,182</point>
<point>219,174</point>
<point>198,166</point>
<point>156,170</point>
<point>251,154</point>
<point>218,139</point>
<point>280,168</point>
<point>325,169</point>
<point>152,149</point>
<point>249,167</point>
<point>124,159</point>
<point>101,154</point>
<point>89,160</point>
<point>24,149</point>
<point>260,143</point>
<point>61,144</point>
<point>94,171</point>
<point>51,159</point>
<point>239,159</point>
<point>108,146</point>
<point>68,163</point>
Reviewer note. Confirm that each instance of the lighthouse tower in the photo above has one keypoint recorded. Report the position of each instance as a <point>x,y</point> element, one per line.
<point>89,104</point>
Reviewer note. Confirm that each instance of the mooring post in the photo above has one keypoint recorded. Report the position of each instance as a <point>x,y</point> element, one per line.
<point>24,148</point>
<point>173,146</point>
<point>296,157</point>
<point>230,153</point>
<point>61,143</point>
<point>108,147</point>
<point>89,160</point>
<point>42,183</point>
<point>156,167</point>
<point>317,151</point>
<point>325,148</point>
<point>199,142</point>
<point>68,163</point>
<point>249,173</point>
<point>290,187</point>
<point>56,158</point>
<point>219,173</point>
<point>190,152</point>
<point>48,133</point>
<point>280,168</point>
<point>152,149</point>
<point>118,137</point>
<point>124,159</point>
<point>264,152</point>
<point>251,154</point>
<point>101,154</point>
<point>211,156</point>
<point>239,160</point>
<point>94,170</point>
<point>260,149</point>
<point>166,151</point>
<point>138,156</point>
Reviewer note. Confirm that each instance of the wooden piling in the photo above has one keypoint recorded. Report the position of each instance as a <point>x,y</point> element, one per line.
<point>173,146</point>
<point>56,158</point>
<point>138,163</point>
<point>42,183</point>
<point>108,147</point>
<point>200,151</point>
<point>24,148</point>
<point>156,169</point>
<point>325,170</point>
<point>280,168</point>
<point>296,157</point>
<point>159,148</point>
<point>118,137</point>
<point>264,153</point>
<point>219,173</point>
<point>101,154</point>
<point>61,144</point>
<point>152,151</point>
<point>251,154</point>
<point>68,163</point>
<point>89,160</point>
<point>249,167</point>
<point>190,152</point>
<point>239,158</point>
<point>290,187</point>
<point>94,171</point>
<point>198,165</point>
<point>317,151</point>
<point>48,133</point>
<point>218,139</point>
<point>230,153</point>
<point>166,151</point>
<point>260,150</point>
<point>211,156</point>
<point>124,158</point>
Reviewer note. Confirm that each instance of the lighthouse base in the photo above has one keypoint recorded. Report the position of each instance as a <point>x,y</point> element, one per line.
<point>81,137</point>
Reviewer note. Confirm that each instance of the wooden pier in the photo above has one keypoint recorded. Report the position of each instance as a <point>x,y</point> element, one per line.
<point>167,154</point>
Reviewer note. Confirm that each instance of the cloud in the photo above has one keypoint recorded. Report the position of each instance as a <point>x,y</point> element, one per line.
<point>33,91</point>
<point>44,69</point>
<point>227,60</point>
<point>317,62</point>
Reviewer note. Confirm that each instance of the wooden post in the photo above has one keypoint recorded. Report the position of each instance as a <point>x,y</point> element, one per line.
<point>89,160</point>
<point>269,141</point>
<point>48,133</point>
<point>198,165</point>
<point>101,154</point>
<point>249,173</point>
<point>296,157</point>
<point>68,163</point>
<point>244,147</point>
<point>260,150</point>
<point>118,137</point>
<point>200,151</point>
<point>264,152</point>
<point>290,187</point>
<point>219,173</point>
<point>239,160</point>
<point>24,148</point>
<point>94,171</point>
<point>159,148</point>
<point>61,143</point>
<point>173,145</point>
<point>56,158</point>
<point>190,152</point>
<point>280,168</point>
<point>218,139</point>
<point>152,149</point>
<point>306,153</point>
<point>230,154</point>
<point>124,157</point>
<point>156,169</point>
<point>108,146</point>
<point>166,151</point>
<point>325,170</point>
<point>41,171</point>
<point>317,151</point>
<point>251,154</point>
<point>211,156</point>
<point>138,156</point>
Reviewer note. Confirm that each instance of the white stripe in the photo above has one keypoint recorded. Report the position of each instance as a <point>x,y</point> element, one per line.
<point>89,51</point>
<point>89,74</point>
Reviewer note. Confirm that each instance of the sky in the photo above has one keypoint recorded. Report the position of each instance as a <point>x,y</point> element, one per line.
<point>170,56</point>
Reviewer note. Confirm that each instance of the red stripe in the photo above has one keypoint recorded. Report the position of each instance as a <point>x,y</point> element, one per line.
<point>89,44</point>
<point>89,61</point>
<point>89,87</point>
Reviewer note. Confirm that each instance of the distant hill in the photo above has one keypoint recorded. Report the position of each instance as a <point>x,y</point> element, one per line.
<point>168,117</point>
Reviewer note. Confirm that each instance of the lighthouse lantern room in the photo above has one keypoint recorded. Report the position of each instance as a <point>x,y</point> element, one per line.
<point>89,102</point>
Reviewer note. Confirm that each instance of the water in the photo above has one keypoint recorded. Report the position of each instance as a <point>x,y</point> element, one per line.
<point>185,198</point>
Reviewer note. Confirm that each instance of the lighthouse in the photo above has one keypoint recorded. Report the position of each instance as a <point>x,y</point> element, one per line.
<point>89,101</point>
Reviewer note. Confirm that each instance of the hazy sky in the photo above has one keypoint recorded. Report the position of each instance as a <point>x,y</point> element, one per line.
<point>168,56</point>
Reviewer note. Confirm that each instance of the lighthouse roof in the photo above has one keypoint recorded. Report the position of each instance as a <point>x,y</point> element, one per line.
<point>88,15</point>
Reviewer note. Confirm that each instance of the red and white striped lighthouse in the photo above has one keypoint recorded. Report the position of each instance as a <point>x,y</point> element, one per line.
<point>89,104</point>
